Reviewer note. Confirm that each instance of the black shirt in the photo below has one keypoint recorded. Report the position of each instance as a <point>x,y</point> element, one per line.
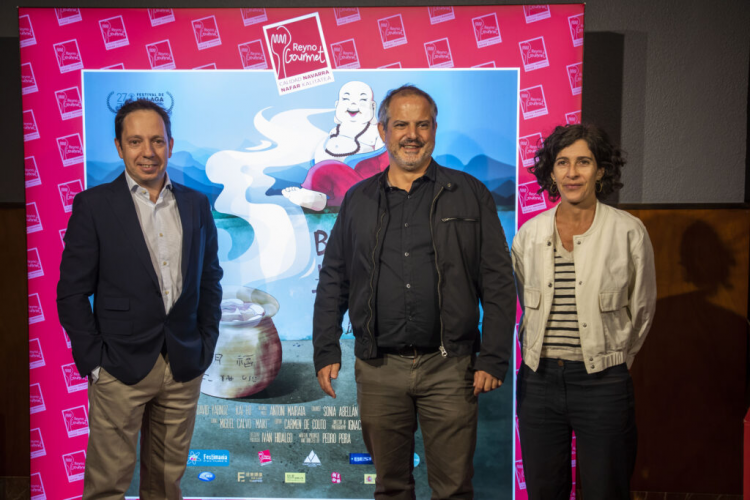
<point>407,300</point>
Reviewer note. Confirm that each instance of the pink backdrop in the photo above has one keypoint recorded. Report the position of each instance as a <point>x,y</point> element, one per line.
<point>546,41</point>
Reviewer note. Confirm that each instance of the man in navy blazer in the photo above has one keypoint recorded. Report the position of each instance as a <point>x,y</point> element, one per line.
<point>146,249</point>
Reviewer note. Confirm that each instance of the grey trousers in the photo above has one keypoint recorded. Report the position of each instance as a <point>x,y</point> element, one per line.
<point>395,394</point>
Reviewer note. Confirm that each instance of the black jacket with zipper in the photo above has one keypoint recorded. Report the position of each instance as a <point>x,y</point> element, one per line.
<point>473,265</point>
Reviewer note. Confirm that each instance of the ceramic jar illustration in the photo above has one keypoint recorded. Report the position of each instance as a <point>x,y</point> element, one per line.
<point>248,353</point>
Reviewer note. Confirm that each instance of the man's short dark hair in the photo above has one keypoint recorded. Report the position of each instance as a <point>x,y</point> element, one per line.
<point>140,105</point>
<point>405,90</point>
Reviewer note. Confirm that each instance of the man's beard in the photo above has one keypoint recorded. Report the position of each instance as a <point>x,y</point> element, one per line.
<point>411,164</point>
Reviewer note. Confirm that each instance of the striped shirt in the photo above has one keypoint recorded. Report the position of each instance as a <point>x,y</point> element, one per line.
<point>562,339</point>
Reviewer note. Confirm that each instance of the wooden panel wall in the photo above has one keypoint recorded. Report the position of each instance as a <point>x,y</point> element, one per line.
<point>690,377</point>
<point>14,346</point>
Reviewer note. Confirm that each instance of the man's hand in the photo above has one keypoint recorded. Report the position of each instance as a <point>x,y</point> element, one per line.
<point>329,372</point>
<point>483,382</point>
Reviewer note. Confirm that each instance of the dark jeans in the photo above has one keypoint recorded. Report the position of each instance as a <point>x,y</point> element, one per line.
<point>560,398</point>
<point>393,392</point>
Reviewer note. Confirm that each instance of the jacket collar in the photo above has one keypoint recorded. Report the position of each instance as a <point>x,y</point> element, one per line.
<point>599,217</point>
<point>434,172</point>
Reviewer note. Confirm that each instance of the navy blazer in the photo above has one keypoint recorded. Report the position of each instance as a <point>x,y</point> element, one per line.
<point>106,256</point>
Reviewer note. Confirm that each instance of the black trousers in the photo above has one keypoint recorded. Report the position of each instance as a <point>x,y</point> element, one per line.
<point>561,398</point>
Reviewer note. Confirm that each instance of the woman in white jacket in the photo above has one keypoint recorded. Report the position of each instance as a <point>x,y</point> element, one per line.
<point>586,282</point>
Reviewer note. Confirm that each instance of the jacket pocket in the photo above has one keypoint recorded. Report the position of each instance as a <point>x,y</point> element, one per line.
<point>460,219</point>
<point>529,329</point>
<point>531,298</point>
<point>615,319</point>
<point>115,327</point>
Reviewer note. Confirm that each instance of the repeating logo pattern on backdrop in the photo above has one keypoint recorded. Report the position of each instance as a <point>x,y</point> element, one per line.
<point>55,47</point>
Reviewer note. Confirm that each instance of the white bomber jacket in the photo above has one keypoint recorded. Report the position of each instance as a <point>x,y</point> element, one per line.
<point>615,286</point>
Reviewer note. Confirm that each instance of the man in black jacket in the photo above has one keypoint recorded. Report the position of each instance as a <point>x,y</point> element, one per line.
<point>412,253</point>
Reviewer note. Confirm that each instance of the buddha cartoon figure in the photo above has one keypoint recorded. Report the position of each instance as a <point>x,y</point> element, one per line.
<point>355,133</point>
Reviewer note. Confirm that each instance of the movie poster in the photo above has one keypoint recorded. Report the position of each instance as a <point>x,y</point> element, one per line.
<point>275,168</point>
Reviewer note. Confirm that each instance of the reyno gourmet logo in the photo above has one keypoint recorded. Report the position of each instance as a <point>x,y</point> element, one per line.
<point>533,103</point>
<point>265,457</point>
<point>575,77</point>
<point>160,55</point>
<point>534,54</point>
<point>37,487</point>
<point>75,465</point>
<point>34,263</point>
<point>345,54</point>
<point>36,400</point>
<point>67,16</point>
<point>346,15</point>
<point>33,222</point>
<point>576,29</point>
<point>30,130</point>
<point>160,16</point>
<point>76,421</point>
<point>529,199</point>
<point>67,338</point>
<point>113,32</point>
<point>37,443</point>
<point>73,380</point>
<point>520,477</point>
<point>298,53</point>
<point>69,103</point>
<point>439,54</point>
<point>206,32</point>
<point>25,31</point>
<point>527,147</point>
<point>573,118</point>
<point>31,172</point>
<point>392,32</point>
<point>36,314</point>
<point>253,16</point>
<point>68,192</point>
<point>253,56</point>
<point>486,30</point>
<point>534,13</point>
<point>71,149</point>
<point>28,80</point>
<point>68,56</point>
<point>36,357</point>
<point>441,14</point>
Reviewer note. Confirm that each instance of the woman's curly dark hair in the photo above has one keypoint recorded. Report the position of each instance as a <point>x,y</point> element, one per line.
<point>607,156</point>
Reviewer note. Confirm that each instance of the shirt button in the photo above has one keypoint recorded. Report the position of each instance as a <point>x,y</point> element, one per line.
<point>578,242</point>
<point>591,366</point>
<point>408,285</point>
<point>164,263</point>
<point>591,359</point>
<point>406,254</point>
<point>406,224</point>
<point>549,285</point>
<point>166,293</point>
<point>161,235</point>
<point>580,282</point>
<point>549,243</point>
<point>585,325</point>
<point>560,362</point>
